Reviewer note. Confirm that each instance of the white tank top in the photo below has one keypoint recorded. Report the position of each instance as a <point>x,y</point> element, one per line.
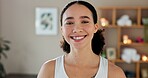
<point>60,70</point>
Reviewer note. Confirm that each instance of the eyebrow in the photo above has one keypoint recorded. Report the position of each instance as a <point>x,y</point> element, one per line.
<point>82,17</point>
<point>85,17</point>
<point>69,18</point>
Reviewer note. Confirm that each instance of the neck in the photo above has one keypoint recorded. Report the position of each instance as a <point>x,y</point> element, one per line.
<point>83,57</point>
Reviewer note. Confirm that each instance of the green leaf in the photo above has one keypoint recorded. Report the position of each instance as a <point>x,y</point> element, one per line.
<point>1,50</point>
<point>6,47</point>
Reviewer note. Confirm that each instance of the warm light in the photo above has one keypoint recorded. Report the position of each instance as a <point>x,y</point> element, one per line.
<point>104,22</point>
<point>126,40</point>
<point>129,41</point>
<point>125,37</point>
<point>144,58</point>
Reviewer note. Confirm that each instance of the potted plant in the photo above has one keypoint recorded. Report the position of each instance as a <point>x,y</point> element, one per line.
<point>3,48</point>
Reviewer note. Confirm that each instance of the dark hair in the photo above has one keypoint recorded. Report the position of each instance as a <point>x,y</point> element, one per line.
<point>98,39</point>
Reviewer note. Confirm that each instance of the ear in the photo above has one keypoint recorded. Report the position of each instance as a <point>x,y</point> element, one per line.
<point>96,27</point>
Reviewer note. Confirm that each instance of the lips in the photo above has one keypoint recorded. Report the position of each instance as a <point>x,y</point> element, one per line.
<point>78,37</point>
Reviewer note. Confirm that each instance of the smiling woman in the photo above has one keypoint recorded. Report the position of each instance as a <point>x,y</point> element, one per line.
<point>83,42</point>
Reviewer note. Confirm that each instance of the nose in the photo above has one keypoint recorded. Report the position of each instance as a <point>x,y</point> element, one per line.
<point>77,28</point>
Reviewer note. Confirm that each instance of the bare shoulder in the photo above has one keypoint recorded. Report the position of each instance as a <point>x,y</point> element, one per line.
<point>47,69</point>
<point>115,71</point>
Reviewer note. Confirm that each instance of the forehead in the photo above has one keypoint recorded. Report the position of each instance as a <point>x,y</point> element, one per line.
<point>77,10</point>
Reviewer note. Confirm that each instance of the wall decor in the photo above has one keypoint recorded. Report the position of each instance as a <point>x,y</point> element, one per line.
<point>46,21</point>
<point>111,53</point>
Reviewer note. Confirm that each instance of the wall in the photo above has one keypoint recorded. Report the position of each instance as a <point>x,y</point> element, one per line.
<point>28,50</point>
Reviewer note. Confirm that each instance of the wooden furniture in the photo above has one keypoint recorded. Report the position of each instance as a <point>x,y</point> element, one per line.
<point>113,34</point>
<point>21,76</point>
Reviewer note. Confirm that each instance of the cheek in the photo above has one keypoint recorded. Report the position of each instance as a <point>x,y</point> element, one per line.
<point>66,31</point>
<point>90,29</point>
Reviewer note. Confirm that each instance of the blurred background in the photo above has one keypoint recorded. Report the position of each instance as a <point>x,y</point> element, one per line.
<point>28,51</point>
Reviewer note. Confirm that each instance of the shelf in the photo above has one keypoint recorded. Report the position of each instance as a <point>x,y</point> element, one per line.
<point>134,44</point>
<point>116,26</point>
<point>114,34</point>
<point>110,26</point>
<point>122,61</point>
<point>117,60</point>
<point>134,26</point>
<point>143,61</point>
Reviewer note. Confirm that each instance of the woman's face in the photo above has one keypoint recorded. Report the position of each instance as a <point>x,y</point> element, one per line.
<point>78,27</point>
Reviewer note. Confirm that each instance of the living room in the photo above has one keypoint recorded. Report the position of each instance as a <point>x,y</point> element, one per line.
<point>28,49</point>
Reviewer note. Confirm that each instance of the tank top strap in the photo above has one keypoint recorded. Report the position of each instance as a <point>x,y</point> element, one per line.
<point>59,68</point>
<point>103,68</point>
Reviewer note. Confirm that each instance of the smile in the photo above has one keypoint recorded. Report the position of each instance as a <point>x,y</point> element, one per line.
<point>78,37</point>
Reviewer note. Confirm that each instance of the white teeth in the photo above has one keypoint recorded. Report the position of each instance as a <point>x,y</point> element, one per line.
<point>78,38</point>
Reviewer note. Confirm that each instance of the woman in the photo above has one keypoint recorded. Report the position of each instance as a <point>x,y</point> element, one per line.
<point>83,43</point>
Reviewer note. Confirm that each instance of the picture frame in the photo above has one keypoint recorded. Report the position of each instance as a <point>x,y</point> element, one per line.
<point>46,21</point>
<point>144,73</point>
<point>111,53</point>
